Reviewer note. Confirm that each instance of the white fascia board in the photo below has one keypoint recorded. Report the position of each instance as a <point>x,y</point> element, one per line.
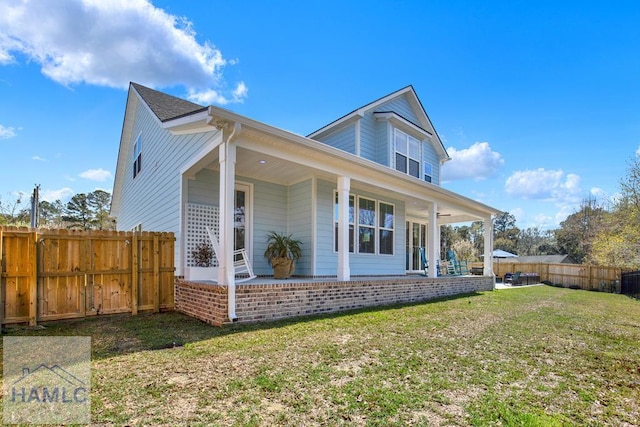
<point>338,125</point>
<point>404,124</point>
<point>347,164</point>
<point>193,123</point>
<point>123,150</point>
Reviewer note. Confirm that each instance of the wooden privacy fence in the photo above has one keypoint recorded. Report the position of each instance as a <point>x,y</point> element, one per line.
<point>63,274</point>
<point>588,277</point>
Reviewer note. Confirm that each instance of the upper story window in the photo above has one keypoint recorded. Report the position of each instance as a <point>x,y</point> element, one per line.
<point>407,150</point>
<point>428,172</point>
<point>137,156</point>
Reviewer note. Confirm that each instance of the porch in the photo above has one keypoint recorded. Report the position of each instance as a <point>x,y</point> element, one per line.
<point>265,299</point>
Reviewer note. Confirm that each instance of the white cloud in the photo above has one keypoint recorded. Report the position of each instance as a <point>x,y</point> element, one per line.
<point>212,96</point>
<point>64,195</point>
<point>96,174</point>
<point>109,43</point>
<point>40,159</point>
<point>638,152</point>
<point>6,132</point>
<point>541,184</point>
<point>477,162</point>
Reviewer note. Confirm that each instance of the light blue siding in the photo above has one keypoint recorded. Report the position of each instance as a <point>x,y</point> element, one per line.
<point>300,216</point>
<point>368,129</point>
<point>400,106</point>
<point>360,264</point>
<point>343,139</point>
<point>429,155</point>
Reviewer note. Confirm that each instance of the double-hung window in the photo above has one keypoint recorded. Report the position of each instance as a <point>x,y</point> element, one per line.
<point>366,226</point>
<point>407,153</point>
<point>137,156</point>
<point>352,227</point>
<point>375,226</point>
<point>385,228</point>
<point>428,172</point>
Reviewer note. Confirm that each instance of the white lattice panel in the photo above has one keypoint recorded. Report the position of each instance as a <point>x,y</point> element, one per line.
<point>198,218</point>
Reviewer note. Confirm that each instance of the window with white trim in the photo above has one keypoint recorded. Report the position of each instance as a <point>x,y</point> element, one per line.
<point>407,153</point>
<point>137,156</point>
<point>428,172</point>
<point>352,228</point>
<point>376,226</point>
<point>366,226</point>
<point>385,228</point>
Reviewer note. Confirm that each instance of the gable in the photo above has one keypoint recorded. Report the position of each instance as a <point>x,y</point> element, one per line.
<point>403,105</point>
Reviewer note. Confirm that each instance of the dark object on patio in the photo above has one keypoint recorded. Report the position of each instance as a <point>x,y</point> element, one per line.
<point>477,271</point>
<point>519,278</point>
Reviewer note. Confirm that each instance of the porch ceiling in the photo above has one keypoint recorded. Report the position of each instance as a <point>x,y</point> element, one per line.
<point>265,167</point>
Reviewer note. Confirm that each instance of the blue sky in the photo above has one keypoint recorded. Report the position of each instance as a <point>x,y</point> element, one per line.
<point>538,103</point>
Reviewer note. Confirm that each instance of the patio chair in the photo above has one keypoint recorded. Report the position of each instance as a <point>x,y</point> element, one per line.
<point>241,265</point>
<point>453,268</point>
<point>512,278</point>
<point>425,263</point>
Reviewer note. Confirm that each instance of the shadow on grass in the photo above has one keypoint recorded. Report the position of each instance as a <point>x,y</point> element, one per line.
<point>118,334</point>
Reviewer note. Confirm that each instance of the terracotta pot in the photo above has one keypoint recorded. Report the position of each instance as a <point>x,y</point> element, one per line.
<point>282,268</point>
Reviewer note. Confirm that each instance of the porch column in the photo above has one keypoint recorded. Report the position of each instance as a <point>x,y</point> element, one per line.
<point>488,246</point>
<point>433,240</point>
<point>227,159</point>
<point>344,185</point>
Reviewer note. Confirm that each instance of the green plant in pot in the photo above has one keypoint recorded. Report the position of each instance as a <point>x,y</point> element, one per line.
<point>281,253</point>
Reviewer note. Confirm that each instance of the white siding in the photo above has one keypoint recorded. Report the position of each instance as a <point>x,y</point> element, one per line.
<point>153,197</point>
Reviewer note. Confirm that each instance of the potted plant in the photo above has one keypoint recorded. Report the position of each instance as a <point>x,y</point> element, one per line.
<point>202,256</point>
<point>281,253</point>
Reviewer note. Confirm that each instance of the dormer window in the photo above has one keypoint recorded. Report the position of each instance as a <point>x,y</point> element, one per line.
<point>407,149</point>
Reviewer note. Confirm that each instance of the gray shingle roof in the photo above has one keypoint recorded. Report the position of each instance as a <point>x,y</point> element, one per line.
<point>166,107</point>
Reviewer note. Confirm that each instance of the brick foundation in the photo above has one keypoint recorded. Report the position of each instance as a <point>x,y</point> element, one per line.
<point>272,301</point>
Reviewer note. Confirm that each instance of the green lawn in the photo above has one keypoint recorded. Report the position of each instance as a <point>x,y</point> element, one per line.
<point>538,356</point>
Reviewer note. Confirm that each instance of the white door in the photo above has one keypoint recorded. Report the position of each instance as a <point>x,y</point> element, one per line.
<point>242,218</point>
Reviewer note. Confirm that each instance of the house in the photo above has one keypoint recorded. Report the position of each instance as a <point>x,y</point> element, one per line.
<point>544,259</point>
<point>362,193</point>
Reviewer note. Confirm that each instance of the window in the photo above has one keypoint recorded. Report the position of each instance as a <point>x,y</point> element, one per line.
<point>352,236</point>
<point>137,156</point>
<point>407,149</point>
<point>386,228</point>
<point>375,218</point>
<point>428,171</point>
<point>366,226</point>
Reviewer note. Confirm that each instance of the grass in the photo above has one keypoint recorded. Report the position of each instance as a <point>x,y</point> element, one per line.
<point>538,356</point>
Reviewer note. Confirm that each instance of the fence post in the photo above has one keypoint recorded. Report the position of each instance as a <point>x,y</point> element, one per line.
<point>134,273</point>
<point>33,280</point>
<point>1,283</point>
<point>156,273</point>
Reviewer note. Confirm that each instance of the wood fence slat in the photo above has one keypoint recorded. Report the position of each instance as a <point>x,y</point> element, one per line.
<point>134,273</point>
<point>2,280</point>
<point>156,274</point>
<point>33,279</point>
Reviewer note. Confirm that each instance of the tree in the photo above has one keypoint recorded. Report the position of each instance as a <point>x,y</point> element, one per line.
<point>14,212</point>
<point>51,213</point>
<point>505,232</point>
<point>99,202</point>
<point>617,243</point>
<point>464,250</point>
<point>577,233</point>
<point>78,212</point>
